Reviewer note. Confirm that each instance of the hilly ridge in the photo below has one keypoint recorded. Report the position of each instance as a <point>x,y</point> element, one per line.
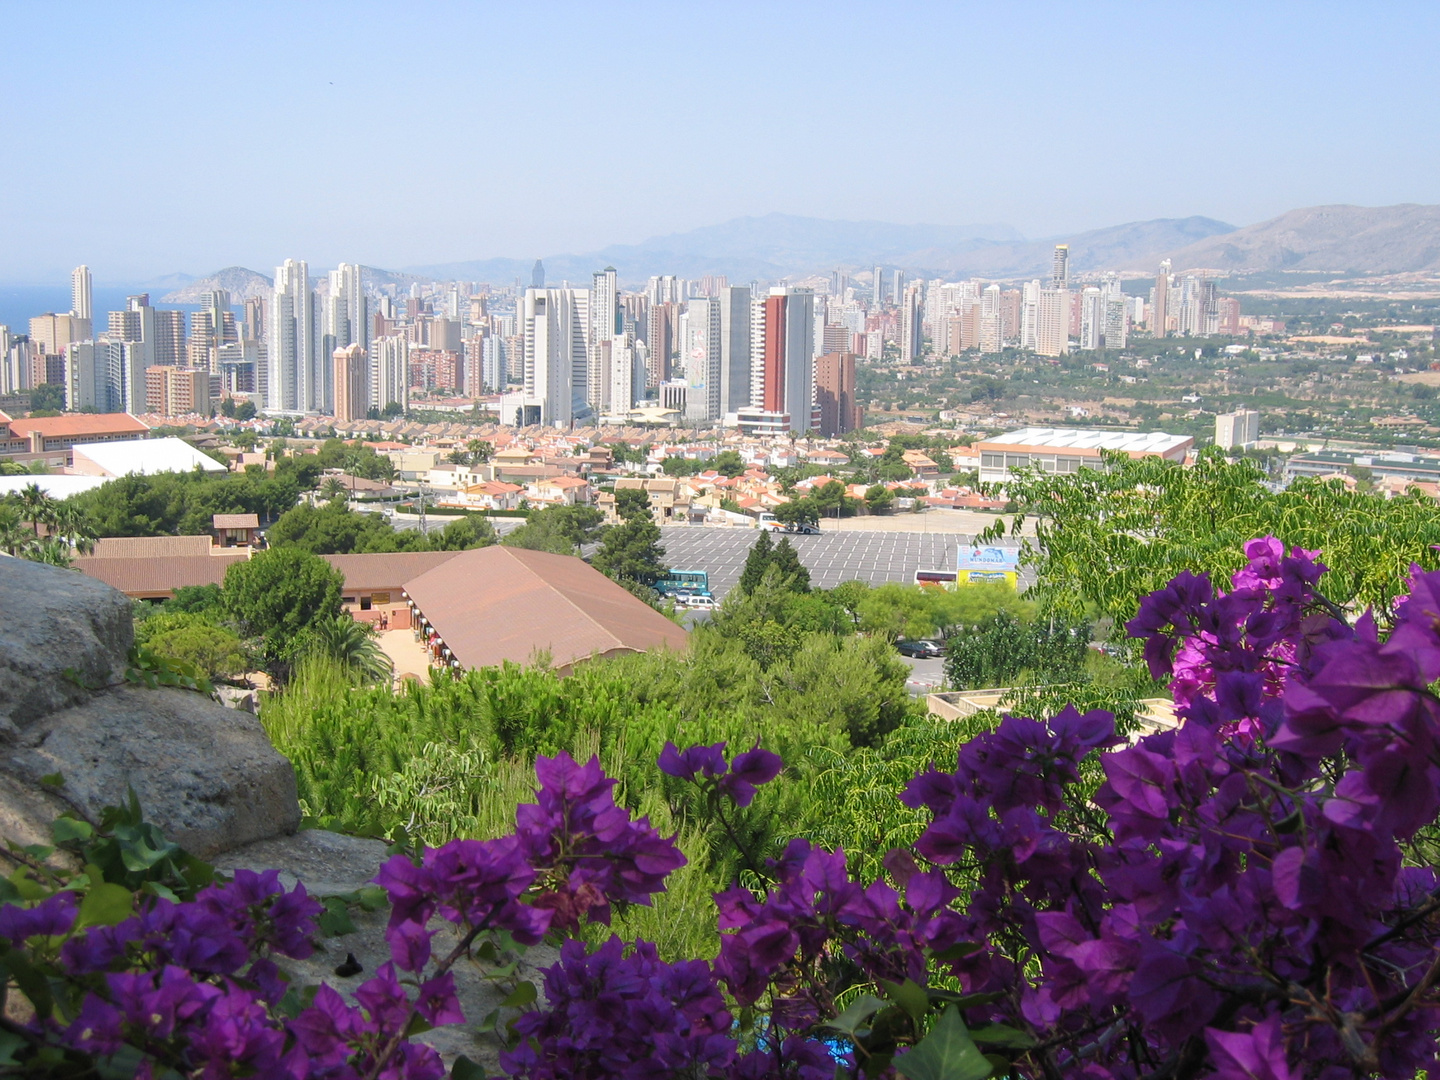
<point>1342,239</point>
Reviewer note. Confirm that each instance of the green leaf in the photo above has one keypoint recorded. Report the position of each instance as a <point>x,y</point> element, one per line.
<point>335,919</point>
<point>1002,1035</point>
<point>957,952</point>
<point>947,1053</point>
<point>105,905</point>
<point>910,996</point>
<point>521,996</point>
<point>418,1026</point>
<point>53,779</point>
<point>68,828</point>
<point>465,1069</point>
<point>9,1043</point>
<point>856,1013</point>
<point>32,984</point>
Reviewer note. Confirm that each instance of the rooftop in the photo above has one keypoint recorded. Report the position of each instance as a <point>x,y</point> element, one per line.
<point>78,424</point>
<point>1148,442</point>
<point>494,604</point>
<point>146,457</point>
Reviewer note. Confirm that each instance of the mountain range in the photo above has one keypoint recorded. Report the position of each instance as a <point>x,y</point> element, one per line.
<point>1345,240</point>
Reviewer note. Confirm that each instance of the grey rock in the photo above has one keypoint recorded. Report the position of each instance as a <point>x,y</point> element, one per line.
<point>330,864</point>
<point>205,774</point>
<point>63,633</point>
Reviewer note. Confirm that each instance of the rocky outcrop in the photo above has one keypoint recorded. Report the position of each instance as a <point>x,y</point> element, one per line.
<point>205,774</point>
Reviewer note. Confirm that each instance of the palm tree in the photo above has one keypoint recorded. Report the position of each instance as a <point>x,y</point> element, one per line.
<point>72,524</point>
<point>36,506</point>
<point>353,644</point>
<point>332,489</point>
<point>15,539</point>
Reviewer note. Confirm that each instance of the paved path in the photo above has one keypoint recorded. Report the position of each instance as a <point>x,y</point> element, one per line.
<point>405,653</point>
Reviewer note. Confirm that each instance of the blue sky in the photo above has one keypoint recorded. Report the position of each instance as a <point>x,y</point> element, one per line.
<point>144,139</point>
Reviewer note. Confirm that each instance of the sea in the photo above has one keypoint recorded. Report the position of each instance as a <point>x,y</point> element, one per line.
<point>19,303</point>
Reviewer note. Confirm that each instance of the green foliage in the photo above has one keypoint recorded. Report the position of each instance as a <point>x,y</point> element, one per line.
<point>1003,649</point>
<point>798,512</point>
<point>335,529</point>
<point>675,465</point>
<point>47,398</point>
<point>559,529</point>
<point>631,503</point>
<point>631,551</point>
<point>278,596</point>
<point>895,611</point>
<point>764,556</point>
<point>355,458</point>
<point>1107,538</point>
<point>728,463</point>
<point>184,503</point>
<point>193,638</point>
<point>352,645</point>
<point>756,563</point>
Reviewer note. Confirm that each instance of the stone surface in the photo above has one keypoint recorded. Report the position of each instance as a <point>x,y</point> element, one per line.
<point>60,633</point>
<point>330,864</point>
<point>205,774</point>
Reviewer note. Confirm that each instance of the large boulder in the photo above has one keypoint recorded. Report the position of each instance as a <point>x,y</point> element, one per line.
<point>205,774</point>
<point>62,636</point>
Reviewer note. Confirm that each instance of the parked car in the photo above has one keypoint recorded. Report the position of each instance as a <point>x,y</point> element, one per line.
<point>701,603</point>
<point>925,649</point>
<point>803,529</point>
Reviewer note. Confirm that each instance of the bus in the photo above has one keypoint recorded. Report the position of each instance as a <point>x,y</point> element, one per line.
<point>690,582</point>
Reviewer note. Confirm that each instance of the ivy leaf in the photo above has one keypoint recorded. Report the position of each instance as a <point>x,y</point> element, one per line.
<point>910,996</point>
<point>1002,1035</point>
<point>947,1053</point>
<point>465,1069</point>
<point>69,828</point>
<point>105,905</point>
<point>521,996</point>
<point>856,1013</point>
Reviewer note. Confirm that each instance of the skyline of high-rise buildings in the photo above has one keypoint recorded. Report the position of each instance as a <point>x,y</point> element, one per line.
<point>568,354</point>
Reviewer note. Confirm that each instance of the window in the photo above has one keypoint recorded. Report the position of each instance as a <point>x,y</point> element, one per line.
<point>1017,461</point>
<point>990,460</point>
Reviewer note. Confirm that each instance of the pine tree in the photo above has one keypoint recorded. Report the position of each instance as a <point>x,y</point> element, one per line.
<point>755,563</point>
<point>792,570</point>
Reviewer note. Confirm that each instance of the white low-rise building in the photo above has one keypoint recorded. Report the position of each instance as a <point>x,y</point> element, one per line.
<point>1067,450</point>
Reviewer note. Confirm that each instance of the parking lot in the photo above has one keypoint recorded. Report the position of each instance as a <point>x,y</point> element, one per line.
<point>831,557</point>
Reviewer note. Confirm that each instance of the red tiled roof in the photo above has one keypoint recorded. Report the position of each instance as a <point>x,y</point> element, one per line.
<point>159,577</point>
<point>494,604</point>
<point>77,424</point>
<point>388,570</point>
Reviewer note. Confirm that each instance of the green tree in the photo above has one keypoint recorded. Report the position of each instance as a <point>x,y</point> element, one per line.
<point>464,533</point>
<point>560,529</point>
<point>631,551</point>
<point>278,597</point>
<point>728,463</point>
<point>792,572</point>
<point>631,503</point>
<point>798,512</point>
<point>756,563</point>
<point>352,644</point>
<point>47,398</point>
<point>193,638</point>
<point>681,466</point>
<point>245,411</point>
<point>878,498</point>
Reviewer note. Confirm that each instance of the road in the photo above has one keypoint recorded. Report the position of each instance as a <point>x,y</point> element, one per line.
<point>927,674</point>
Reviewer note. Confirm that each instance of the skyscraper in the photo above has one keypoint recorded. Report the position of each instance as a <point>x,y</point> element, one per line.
<point>700,354</point>
<point>1060,267</point>
<point>897,293</point>
<point>80,293</point>
<point>603,317</point>
<point>554,324</point>
<point>734,304</point>
<point>1030,315</point>
<point>912,315</point>
<point>352,383</point>
<point>294,385</point>
<point>1160,309</point>
<point>782,349</point>
<point>1092,317</point>
<point>992,320</point>
<point>537,275</point>
<point>1052,332</point>
<point>390,372</point>
<point>835,394</point>
<point>877,290</point>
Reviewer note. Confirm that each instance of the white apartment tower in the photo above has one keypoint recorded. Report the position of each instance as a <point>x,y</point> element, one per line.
<point>390,372</point>
<point>81,293</point>
<point>556,359</point>
<point>296,381</point>
<point>1092,317</point>
<point>700,354</point>
<point>1030,316</point>
<point>735,321</point>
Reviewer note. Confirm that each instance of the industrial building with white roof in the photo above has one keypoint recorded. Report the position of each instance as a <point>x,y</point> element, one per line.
<point>1066,450</point>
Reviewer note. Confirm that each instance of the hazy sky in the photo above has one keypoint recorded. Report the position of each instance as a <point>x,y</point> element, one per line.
<point>146,138</point>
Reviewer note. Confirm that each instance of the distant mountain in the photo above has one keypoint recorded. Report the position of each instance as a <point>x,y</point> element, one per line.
<point>1343,239</point>
<point>240,283</point>
<point>1139,242</point>
<point>769,248</point>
